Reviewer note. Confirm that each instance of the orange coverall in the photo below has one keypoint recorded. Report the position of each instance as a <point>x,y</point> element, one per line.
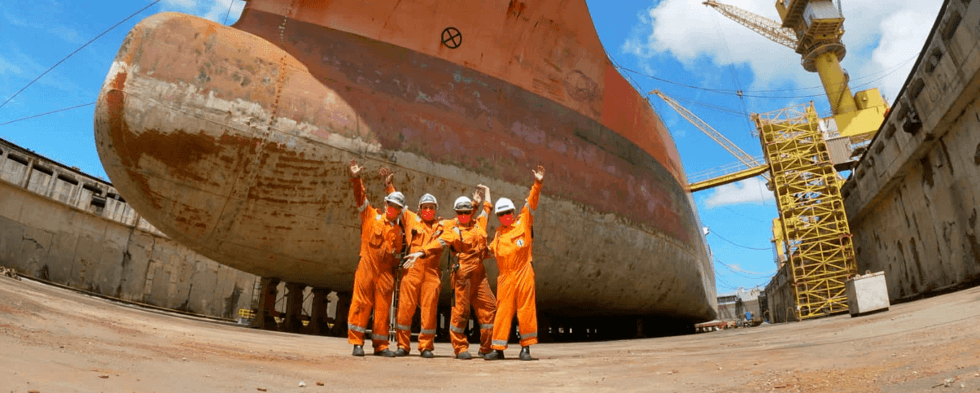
<point>470,280</point>
<point>374,280</point>
<point>515,285</point>
<point>420,282</point>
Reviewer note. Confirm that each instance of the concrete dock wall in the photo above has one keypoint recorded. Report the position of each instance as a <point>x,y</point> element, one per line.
<point>913,199</point>
<point>60,225</point>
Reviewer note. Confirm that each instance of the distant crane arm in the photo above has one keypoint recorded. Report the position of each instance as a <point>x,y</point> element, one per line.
<point>742,156</point>
<point>766,27</point>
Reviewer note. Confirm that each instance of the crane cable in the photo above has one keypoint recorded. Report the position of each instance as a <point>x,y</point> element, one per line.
<point>731,69</point>
<point>735,93</point>
<point>48,113</point>
<point>707,105</point>
<point>739,245</point>
<point>724,284</point>
<point>230,3</point>
<point>77,50</point>
<point>742,273</point>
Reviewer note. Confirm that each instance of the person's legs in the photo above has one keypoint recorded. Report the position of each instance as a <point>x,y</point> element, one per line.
<point>485,305</point>
<point>383,287</point>
<point>408,295</point>
<point>461,315</point>
<point>506,305</point>
<point>431,286</point>
<point>362,302</point>
<point>527,311</point>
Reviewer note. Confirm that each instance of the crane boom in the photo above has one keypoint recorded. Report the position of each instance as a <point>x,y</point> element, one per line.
<point>716,136</point>
<point>766,27</point>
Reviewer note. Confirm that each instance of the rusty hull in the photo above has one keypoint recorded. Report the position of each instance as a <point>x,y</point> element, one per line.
<point>238,149</point>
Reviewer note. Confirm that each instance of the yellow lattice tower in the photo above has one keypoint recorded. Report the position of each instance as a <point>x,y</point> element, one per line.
<point>814,226</point>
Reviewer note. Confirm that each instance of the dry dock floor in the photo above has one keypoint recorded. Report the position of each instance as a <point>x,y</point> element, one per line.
<point>55,340</point>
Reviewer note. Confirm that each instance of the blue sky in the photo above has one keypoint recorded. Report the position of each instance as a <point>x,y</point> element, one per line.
<point>680,41</point>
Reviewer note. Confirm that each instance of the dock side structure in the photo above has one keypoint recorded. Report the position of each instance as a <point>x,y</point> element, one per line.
<point>913,201</point>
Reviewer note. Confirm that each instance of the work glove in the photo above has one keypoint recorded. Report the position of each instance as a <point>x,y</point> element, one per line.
<point>410,259</point>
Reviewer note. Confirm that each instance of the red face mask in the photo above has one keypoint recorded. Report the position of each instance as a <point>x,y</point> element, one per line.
<point>428,214</point>
<point>506,219</point>
<point>391,212</point>
<point>463,218</point>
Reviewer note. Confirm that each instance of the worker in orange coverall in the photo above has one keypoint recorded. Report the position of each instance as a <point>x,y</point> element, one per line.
<point>420,283</point>
<point>515,285</point>
<point>381,242</point>
<point>468,240</point>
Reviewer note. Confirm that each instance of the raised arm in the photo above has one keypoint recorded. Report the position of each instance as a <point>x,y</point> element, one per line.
<point>532,198</point>
<point>485,215</point>
<point>482,193</point>
<point>360,196</point>
<point>486,192</point>
<point>386,174</point>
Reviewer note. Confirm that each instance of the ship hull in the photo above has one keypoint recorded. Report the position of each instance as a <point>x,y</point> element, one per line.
<point>238,149</point>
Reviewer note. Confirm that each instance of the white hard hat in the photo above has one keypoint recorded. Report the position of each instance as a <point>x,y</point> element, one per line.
<point>428,198</point>
<point>463,203</point>
<point>396,198</point>
<point>503,205</point>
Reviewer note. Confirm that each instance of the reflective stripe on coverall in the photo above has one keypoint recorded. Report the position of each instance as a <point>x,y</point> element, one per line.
<point>420,284</point>
<point>470,281</point>
<point>374,280</point>
<point>515,285</point>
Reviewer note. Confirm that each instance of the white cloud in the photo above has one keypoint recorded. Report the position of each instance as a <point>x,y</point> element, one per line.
<point>182,4</point>
<point>6,67</point>
<point>61,31</point>
<point>688,31</point>
<point>880,34</point>
<point>903,35</point>
<point>14,20</point>
<point>739,269</point>
<point>746,191</point>
<point>65,33</point>
<point>214,10</point>
<point>18,68</point>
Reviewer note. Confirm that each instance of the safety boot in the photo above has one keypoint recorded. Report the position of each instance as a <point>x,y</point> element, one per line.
<point>401,352</point>
<point>428,354</point>
<point>526,353</point>
<point>494,355</point>
<point>385,353</point>
<point>358,350</point>
<point>464,355</point>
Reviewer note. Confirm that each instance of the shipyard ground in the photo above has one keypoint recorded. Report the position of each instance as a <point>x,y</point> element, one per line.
<point>56,340</point>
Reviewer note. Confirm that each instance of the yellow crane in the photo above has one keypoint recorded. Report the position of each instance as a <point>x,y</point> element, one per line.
<point>811,234</point>
<point>812,240</point>
<point>813,28</point>
<point>755,167</point>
